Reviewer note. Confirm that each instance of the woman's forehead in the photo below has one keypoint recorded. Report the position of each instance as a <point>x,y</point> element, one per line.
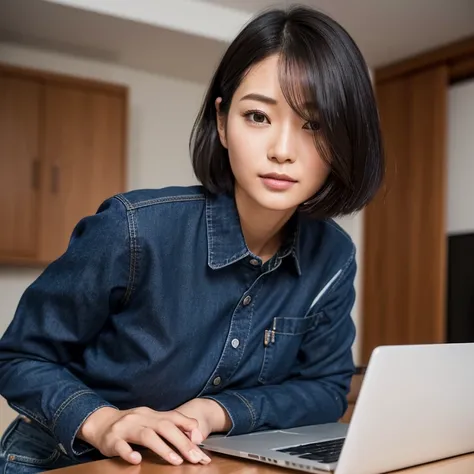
<point>272,77</point>
<point>263,74</point>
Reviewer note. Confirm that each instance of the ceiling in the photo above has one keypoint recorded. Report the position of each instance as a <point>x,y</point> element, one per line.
<point>387,30</point>
<point>83,33</point>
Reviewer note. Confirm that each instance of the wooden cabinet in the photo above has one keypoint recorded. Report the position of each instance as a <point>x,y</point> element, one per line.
<point>19,166</point>
<point>62,152</point>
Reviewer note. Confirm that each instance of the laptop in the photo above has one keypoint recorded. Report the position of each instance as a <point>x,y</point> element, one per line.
<point>415,406</point>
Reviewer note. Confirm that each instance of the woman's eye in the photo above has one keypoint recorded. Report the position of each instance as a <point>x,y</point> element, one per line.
<point>313,126</point>
<point>257,117</point>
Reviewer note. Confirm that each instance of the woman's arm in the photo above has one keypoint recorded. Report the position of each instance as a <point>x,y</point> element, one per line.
<point>61,312</point>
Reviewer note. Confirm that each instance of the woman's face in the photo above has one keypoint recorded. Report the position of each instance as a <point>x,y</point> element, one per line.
<point>271,149</point>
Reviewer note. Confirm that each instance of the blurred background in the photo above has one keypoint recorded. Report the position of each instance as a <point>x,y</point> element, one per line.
<point>99,96</point>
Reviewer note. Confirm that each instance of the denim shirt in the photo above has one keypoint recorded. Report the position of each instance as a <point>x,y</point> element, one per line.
<point>158,300</point>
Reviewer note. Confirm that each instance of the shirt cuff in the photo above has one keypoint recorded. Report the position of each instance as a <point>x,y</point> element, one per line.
<point>241,412</point>
<point>70,417</point>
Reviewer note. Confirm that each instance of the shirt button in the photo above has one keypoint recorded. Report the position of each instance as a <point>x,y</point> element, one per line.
<point>217,381</point>
<point>235,343</point>
<point>247,300</point>
<point>254,262</point>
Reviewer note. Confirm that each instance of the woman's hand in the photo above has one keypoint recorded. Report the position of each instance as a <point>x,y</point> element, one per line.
<point>110,431</point>
<point>211,418</point>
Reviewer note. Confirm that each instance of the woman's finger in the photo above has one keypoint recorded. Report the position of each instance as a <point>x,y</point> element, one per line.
<point>182,421</point>
<point>125,451</point>
<point>149,439</point>
<point>196,437</point>
<point>171,433</point>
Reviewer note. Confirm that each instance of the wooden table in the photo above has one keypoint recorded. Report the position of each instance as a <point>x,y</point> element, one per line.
<point>225,465</point>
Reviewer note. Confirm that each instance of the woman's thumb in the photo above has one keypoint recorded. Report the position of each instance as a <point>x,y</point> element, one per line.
<point>196,436</point>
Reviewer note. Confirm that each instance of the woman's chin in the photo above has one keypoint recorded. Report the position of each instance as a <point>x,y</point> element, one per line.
<point>278,202</point>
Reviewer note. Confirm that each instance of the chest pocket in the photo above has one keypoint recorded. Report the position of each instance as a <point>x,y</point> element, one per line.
<point>282,342</point>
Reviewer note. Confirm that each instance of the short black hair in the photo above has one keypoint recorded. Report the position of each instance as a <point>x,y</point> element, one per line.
<point>319,63</point>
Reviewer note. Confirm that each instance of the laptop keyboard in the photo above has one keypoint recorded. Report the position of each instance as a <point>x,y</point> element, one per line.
<point>325,452</point>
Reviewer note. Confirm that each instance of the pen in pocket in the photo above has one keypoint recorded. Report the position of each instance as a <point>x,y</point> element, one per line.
<point>270,334</point>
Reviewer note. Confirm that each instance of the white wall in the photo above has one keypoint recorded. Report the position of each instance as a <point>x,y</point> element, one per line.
<point>460,217</point>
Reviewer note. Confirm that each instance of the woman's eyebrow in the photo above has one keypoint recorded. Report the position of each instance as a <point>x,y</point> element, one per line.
<point>260,98</point>
<point>308,106</point>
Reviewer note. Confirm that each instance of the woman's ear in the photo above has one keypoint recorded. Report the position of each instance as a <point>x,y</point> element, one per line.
<point>221,122</point>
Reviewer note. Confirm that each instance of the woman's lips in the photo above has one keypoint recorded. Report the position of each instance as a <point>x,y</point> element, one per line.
<point>278,182</point>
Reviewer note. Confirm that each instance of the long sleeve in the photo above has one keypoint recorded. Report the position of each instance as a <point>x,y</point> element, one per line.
<point>60,313</point>
<point>317,389</point>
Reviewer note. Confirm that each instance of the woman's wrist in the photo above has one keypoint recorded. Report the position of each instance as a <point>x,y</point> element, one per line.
<point>90,426</point>
<point>217,415</point>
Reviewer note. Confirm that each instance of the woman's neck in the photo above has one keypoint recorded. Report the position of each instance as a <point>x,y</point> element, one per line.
<point>262,228</point>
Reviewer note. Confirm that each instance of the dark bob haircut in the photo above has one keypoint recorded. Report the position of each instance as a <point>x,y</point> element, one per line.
<point>320,64</point>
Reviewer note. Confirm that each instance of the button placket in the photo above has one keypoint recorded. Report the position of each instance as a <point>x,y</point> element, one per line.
<point>235,345</point>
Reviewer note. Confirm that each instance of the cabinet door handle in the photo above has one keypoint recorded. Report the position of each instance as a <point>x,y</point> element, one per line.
<point>55,179</point>
<point>35,174</point>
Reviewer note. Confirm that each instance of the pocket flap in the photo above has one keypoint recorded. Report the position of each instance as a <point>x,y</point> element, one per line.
<point>295,326</point>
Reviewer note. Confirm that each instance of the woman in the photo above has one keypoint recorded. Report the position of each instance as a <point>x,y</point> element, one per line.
<point>180,312</point>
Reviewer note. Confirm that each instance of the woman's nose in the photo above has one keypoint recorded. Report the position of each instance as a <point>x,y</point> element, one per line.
<point>282,145</point>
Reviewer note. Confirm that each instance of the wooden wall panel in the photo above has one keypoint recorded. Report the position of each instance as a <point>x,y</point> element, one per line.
<point>404,255</point>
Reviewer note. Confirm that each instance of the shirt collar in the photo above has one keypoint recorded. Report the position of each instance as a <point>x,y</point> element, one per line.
<point>226,243</point>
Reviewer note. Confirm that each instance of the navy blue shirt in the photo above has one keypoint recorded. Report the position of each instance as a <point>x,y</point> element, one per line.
<point>158,300</point>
